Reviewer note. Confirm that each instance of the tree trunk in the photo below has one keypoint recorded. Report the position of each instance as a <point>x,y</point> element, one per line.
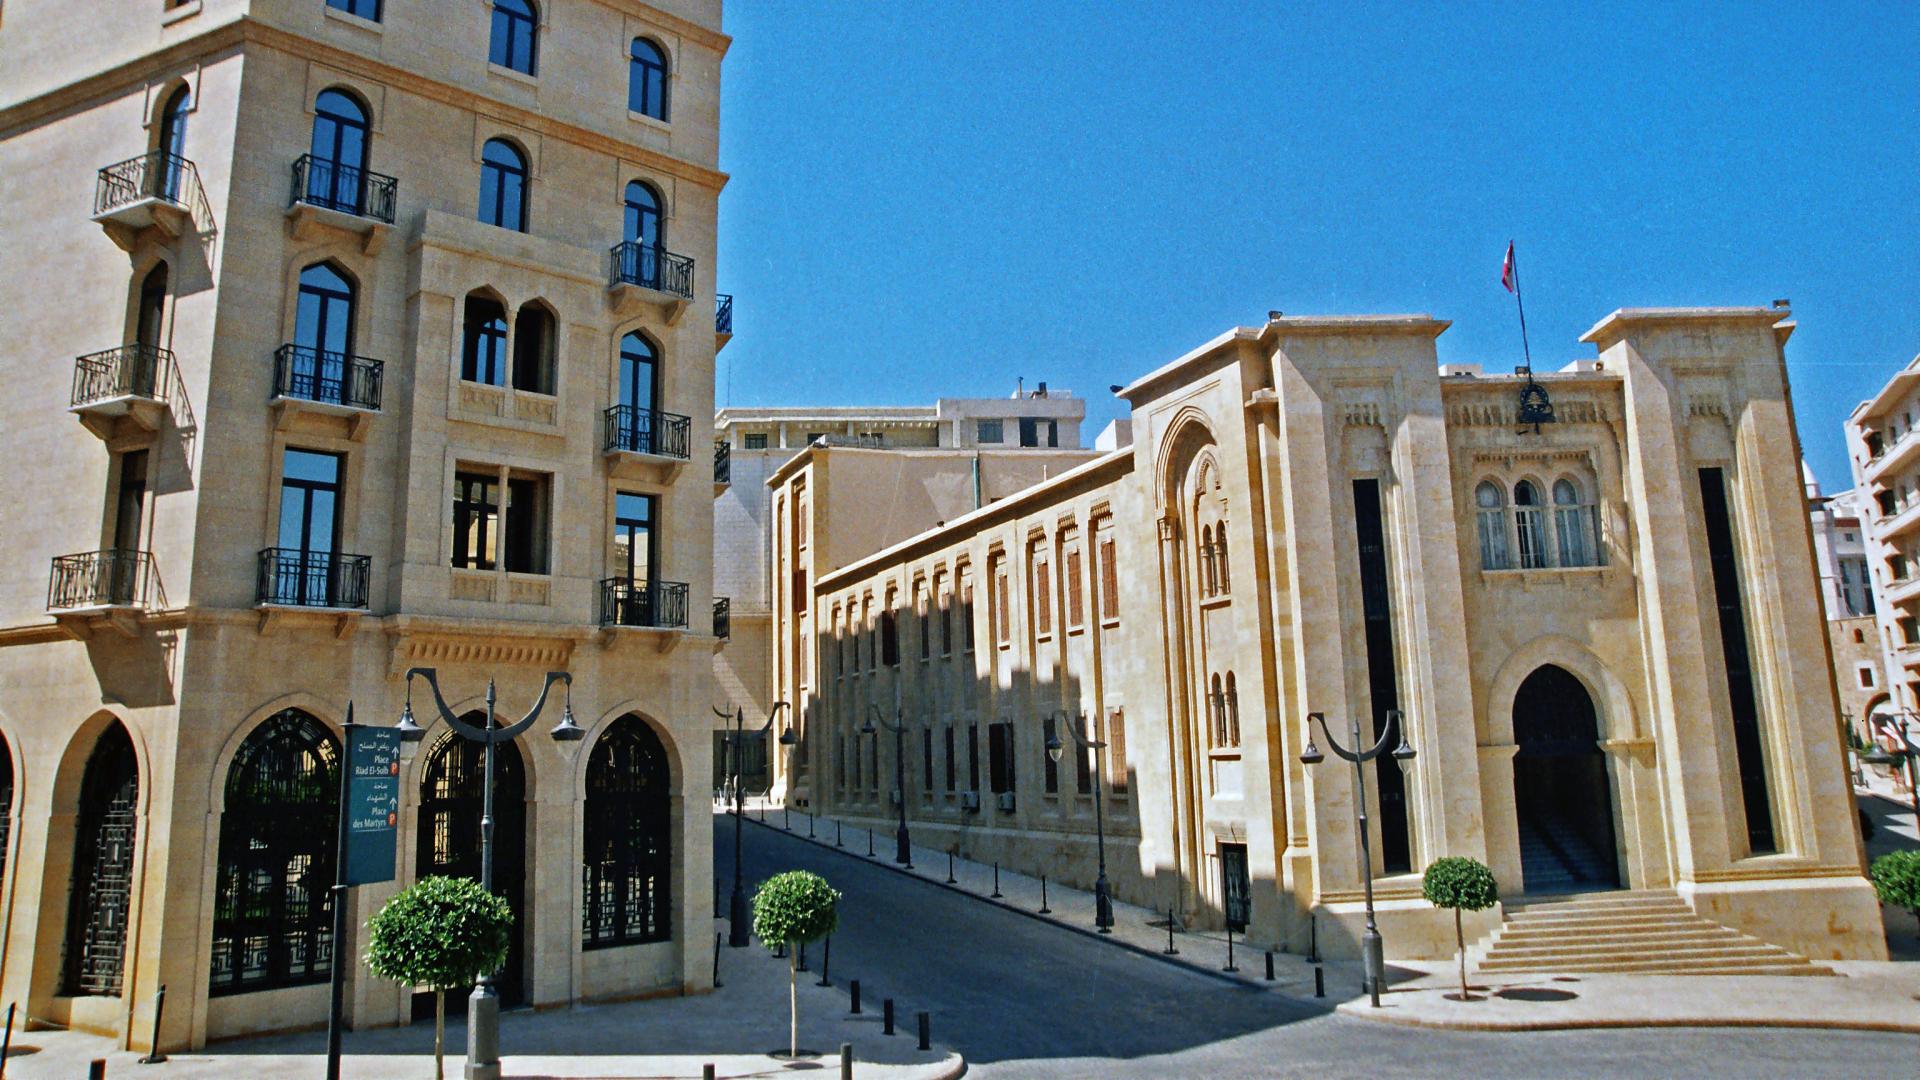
<point>439,1034</point>
<point>1460,936</point>
<point>793,1002</point>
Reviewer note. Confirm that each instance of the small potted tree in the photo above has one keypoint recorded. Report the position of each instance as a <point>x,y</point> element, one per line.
<point>1461,884</point>
<point>441,933</point>
<point>789,909</point>
<point>1896,877</point>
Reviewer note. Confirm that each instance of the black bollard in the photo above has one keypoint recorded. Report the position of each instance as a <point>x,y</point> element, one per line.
<point>926,1030</point>
<point>826,957</point>
<point>809,824</point>
<point>97,1069</point>
<point>996,882</point>
<point>706,1071</point>
<point>800,958</point>
<point>716,959</point>
<point>1319,981</point>
<point>846,1061</point>
<point>886,1017</point>
<point>1229,966</point>
<point>786,817</point>
<point>6,1044</point>
<point>1269,965</point>
<point>1170,950</point>
<point>717,912</point>
<point>1044,909</point>
<point>154,1056</point>
<point>853,987</point>
<point>836,832</point>
<point>780,951</point>
<point>949,867</point>
<point>869,843</point>
<point>1313,940</point>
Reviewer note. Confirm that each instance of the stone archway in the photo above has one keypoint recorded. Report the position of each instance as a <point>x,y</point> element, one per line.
<point>448,838</point>
<point>1563,798</point>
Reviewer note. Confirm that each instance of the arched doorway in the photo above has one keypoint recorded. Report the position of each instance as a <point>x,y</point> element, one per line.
<point>451,790</point>
<point>102,890</point>
<point>1562,798</point>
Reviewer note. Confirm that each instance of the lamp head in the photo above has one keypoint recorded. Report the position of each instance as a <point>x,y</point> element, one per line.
<point>410,732</point>
<point>1312,755</point>
<point>868,728</point>
<point>1879,755</point>
<point>788,738</point>
<point>566,730</point>
<point>1403,752</point>
<point>1055,747</point>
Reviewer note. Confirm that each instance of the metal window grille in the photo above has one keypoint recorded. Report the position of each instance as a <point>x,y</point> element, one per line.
<point>628,863</point>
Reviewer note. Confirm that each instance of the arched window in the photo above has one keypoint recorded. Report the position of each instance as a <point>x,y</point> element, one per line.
<point>149,328</point>
<point>1216,711</point>
<point>647,79</point>
<point>1530,526</point>
<point>1490,509</point>
<point>272,915</point>
<point>516,31</point>
<point>1208,584</point>
<point>101,891</point>
<point>336,171</point>
<point>629,839</point>
<point>322,335</point>
<point>1223,577</point>
<point>1231,713</point>
<point>643,215</point>
<point>1575,525</point>
<point>483,353</point>
<point>639,373</point>
<point>503,185</point>
<point>172,144</point>
<point>452,793</point>
<point>533,349</point>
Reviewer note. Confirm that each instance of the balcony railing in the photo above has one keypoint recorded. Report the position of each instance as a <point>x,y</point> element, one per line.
<point>310,374</point>
<point>93,579</point>
<point>651,267</point>
<point>646,431</point>
<point>722,462</point>
<point>723,617</point>
<point>136,371</point>
<point>723,313</point>
<point>331,185</point>
<point>153,175</point>
<point>322,579</point>
<point>626,602</point>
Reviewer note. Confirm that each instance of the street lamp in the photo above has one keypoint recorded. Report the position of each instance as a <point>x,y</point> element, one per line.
<point>903,851</point>
<point>1373,950</point>
<point>483,1006</point>
<point>737,928</point>
<point>1102,903</point>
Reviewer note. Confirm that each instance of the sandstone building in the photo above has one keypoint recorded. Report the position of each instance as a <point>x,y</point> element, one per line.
<point>1592,630</point>
<point>1884,450</point>
<point>354,336</point>
<point>1847,593</point>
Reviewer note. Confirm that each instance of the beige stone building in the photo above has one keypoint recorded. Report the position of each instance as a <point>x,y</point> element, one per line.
<point>1847,594</point>
<point>347,337</point>
<point>1592,628</point>
<point>1884,449</point>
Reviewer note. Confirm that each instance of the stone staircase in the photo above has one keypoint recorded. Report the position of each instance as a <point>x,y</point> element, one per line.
<point>1650,932</point>
<point>1555,858</point>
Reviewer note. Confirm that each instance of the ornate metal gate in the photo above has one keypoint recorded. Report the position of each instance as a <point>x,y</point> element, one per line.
<point>102,883</point>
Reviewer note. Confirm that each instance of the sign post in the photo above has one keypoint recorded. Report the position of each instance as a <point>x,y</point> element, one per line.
<point>369,825</point>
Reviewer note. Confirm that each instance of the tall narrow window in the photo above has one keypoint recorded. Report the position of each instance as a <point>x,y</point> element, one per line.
<point>1000,757</point>
<point>1209,583</point>
<point>647,79</point>
<point>1076,588</point>
<point>1082,757</point>
<point>966,610</point>
<point>639,376</point>
<point>1529,526</point>
<point>171,172</point>
<point>1109,580</point>
<point>945,600</point>
<point>1117,751</point>
<point>1002,604</point>
<point>533,350</point>
<point>336,169</point>
<point>503,185</point>
<point>476,520</point>
<point>642,224</point>
<point>926,763</point>
<point>1575,526</point>
<point>950,758</point>
<point>515,39</point>
<point>303,568</point>
<point>628,833</point>
<point>1042,593</point>
<point>1230,713</point>
<point>150,327</point>
<point>101,889</point>
<point>1491,515</point>
<point>921,619</point>
<point>483,356</point>
<point>889,636</point>
<point>130,503</point>
<point>1216,712</point>
<point>973,757</point>
<point>528,517</point>
<point>322,335</point>
<point>272,915</point>
<point>1223,574</point>
<point>6,805</point>
<point>634,538</point>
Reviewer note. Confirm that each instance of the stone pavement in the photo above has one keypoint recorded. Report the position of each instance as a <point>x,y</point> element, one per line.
<point>735,1028</point>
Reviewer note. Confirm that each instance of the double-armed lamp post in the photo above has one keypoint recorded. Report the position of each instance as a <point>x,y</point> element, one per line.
<point>1102,902</point>
<point>903,849</point>
<point>738,926</point>
<point>1373,950</point>
<point>483,1006</point>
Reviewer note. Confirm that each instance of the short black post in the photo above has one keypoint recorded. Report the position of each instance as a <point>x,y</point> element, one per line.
<point>786,816</point>
<point>1269,965</point>
<point>780,951</point>
<point>926,1030</point>
<point>1229,966</point>
<point>97,1069</point>
<point>1313,940</point>
<point>886,1017</point>
<point>718,913</point>
<point>1044,909</point>
<point>869,843</point>
<point>949,867</point>
<point>836,832</point>
<point>809,824</point>
<point>853,987</point>
<point>1319,981</point>
<point>1170,950</point>
<point>716,958</point>
<point>800,957</point>
<point>996,882</point>
<point>154,1056</point>
<point>706,1071</point>
<point>763,810</point>
<point>826,958</point>
<point>846,1061</point>
<point>6,1044</point>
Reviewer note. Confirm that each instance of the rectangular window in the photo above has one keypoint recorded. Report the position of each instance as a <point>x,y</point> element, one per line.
<point>756,440</point>
<point>998,601</point>
<point>303,571</point>
<point>1117,751</point>
<point>815,436</point>
<point>1049,768</point>
<point>839,647</point>
<point>1109,581</point>
<point>1909,630</point>
<point>872,633</point>
<point>889,635</point>
<point>988,431</point>
<point>945,600</point>
<point>1082,759</point>
<point>1076,592</point>
<point>966,611</point>
<point>1039,431</point>
<point>476,520</point>
<point>527,517</point>
<point>950,758</point>
<point>973,757</point>
<point>129,511</point>
<point>926,762</point>
<point>1042,595</point>
<point>920,618</point>
<point>1000,757</point>
<point>1866,678</point>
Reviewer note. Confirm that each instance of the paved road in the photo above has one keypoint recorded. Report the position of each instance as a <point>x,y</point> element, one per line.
<point>1022,999</point>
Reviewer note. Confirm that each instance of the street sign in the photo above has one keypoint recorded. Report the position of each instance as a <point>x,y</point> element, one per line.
<point>372,804</point>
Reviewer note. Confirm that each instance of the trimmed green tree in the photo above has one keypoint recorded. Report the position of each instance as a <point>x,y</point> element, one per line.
<point>1461,884</point>
<point>789,909</point>
<point>1896,877</point>
<point>442,933</point>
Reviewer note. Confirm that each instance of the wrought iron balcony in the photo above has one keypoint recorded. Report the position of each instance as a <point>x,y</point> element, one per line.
<point>659,604</point>
<point>646,431</point>
<point>318,579</point>
<point>722,462</point>
<point>136,372</point>
<point>723,313</point>
<point>723,617</point>
<point>155,190</point>
<point>115,578</point>
<point>330,378</point>
<point>651,267</point>
<point>343,188</point>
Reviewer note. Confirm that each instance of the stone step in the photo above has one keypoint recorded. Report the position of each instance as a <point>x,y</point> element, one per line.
<point>1607,899</point>
<point>1658,967</point>
<point>1697,946</point>
<point>1511,943</point>
<point>1572,921</point>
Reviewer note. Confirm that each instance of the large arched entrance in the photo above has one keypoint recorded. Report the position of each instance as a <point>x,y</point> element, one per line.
<point>1562,798</point>
<point>451,790</point>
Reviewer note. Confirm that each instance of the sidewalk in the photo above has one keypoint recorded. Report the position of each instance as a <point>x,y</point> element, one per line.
<point>735,1028</point>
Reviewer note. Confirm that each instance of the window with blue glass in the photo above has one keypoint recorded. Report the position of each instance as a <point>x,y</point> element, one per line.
<point>483,354</point>
<point>366,9</point>
<point>515,35</point>
<point>503,185</point>
<point>336,175</point>
<point>647,79</point>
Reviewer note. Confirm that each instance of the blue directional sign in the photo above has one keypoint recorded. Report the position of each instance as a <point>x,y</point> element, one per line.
<point>373,803</point>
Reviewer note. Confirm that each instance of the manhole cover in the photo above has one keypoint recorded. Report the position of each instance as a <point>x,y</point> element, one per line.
<point>1536,993</point>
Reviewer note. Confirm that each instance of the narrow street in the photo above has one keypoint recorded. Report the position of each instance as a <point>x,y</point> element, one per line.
<point>1022,999</point>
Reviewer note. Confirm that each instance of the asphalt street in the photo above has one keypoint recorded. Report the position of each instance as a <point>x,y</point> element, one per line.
<point>1023,999</point>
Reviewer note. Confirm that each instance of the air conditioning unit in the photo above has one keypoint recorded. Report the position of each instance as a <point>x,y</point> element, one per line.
<point>970,801</point>
<point>893,797</point>
<point>1006,802</point>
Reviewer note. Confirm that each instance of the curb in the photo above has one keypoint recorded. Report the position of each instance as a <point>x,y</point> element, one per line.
<point>1106,939</point>
<point>1355,1010</point>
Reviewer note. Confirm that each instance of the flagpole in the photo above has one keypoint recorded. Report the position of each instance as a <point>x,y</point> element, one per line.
<point>1525,351</point>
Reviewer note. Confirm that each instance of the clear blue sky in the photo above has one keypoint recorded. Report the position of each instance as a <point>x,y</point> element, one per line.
<point>938,198</point>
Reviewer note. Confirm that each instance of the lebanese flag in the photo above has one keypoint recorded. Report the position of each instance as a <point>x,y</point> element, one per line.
<point>1506,269</point>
